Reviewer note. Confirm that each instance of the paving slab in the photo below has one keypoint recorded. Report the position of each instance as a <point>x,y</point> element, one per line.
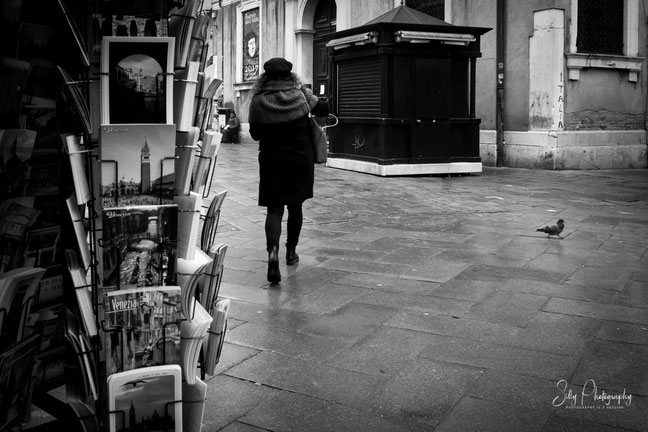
<point>472,414</point>
<point>308,378</point>
<point>423,394</point>
<point>292,412</point>
<point>492,356</point>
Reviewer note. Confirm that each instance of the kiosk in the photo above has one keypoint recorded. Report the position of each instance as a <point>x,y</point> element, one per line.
<point>403,89</point>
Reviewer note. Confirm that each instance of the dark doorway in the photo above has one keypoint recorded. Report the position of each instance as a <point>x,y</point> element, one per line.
<point>323,24</point>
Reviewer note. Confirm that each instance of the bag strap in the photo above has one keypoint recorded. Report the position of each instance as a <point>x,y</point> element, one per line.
<point>308,109</point>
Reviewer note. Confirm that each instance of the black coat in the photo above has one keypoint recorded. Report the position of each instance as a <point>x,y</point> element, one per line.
<point>286,165</point>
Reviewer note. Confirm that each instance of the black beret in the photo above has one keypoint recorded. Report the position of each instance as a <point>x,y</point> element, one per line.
<point>277,66</point>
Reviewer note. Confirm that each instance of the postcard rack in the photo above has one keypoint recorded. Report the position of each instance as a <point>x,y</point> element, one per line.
<point>89,371</point>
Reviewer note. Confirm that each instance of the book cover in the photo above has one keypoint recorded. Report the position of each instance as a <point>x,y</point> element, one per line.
<point>146,399</point>
<point>137,79</point>
<point>139,246</point>
<point>137,164</point>
<point>143,327</point>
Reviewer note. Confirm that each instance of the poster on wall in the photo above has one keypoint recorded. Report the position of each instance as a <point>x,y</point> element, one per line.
<point>136,86</point>
<point>250,44</point>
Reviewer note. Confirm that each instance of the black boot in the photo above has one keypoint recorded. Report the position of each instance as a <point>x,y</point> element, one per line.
<point>274,275</point>
<point>291,257</point>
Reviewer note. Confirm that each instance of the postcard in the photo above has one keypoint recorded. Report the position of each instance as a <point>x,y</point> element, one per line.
<point>137,79</point>
<point>137,164</point>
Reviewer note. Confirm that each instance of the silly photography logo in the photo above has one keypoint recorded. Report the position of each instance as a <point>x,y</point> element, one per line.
<point>590,397</point>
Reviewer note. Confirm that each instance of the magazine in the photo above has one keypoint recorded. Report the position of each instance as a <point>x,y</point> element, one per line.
<point>193,405</point>
<point>193,333</point>
<point>15,221</point>
<point>206,162</point>
<point>190,273</point>
<point>143,327</point>
<point>181,24</point>
<point>146,399</point>
<point>17,294</point>
<point>212,217</point>
<point>214,342</point>
<point>184,94</point>
<point>16,147</point>
<point>80,385</point>
<point>139,246</point>
<point>137,164</point>
<point>83,292</point>
<point>73,145</point>
<point>16,368</point>
<point>188,224</point>
<point>185,151</point>
<point>210,283</point>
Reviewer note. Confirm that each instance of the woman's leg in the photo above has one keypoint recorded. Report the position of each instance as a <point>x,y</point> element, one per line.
<point>273,233</point>
<point>294,226</point>
<point>273,226</point>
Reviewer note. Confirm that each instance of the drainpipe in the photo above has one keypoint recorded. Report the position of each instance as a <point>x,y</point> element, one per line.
<point>499,109</point>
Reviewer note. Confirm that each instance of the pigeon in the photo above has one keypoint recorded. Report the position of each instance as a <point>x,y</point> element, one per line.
<point>553,230</point>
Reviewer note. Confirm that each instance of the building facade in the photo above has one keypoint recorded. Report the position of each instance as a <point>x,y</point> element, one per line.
<point>561,84</point>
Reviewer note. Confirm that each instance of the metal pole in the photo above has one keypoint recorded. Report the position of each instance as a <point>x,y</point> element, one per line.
<point>499,117</point>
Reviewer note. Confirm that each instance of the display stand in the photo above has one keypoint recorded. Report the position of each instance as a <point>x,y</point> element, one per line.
<point>91,398</point>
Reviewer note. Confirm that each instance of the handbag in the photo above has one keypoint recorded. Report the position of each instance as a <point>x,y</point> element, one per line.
<point>317,137</point>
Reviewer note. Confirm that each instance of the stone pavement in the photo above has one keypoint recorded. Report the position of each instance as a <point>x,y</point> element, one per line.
<point>430,303</point>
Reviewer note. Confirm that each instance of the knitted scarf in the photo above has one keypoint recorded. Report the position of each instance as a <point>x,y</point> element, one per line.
<point>280,102</point>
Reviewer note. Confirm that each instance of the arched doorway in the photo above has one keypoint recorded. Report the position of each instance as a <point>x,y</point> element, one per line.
<point>323,23</point>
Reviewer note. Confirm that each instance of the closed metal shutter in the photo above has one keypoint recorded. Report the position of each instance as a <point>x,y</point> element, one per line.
<point>359,88</point>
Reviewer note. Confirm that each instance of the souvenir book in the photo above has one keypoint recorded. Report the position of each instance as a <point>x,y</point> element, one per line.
<point>137,164</point>
<point>137,79</point>
<point>139,246</point>
<point>143,326</point>
<point>146,399</point>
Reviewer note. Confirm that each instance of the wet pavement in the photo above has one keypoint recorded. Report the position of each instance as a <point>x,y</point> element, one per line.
<point>430,303</point>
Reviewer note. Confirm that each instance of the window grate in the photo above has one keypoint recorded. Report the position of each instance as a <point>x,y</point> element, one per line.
<point>600,27</point>
<point>435,8</point>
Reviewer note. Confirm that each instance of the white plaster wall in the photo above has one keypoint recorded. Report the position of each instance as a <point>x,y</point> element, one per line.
<point>546,70</point>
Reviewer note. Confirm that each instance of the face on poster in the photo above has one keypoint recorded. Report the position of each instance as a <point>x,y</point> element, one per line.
<point>250,44</point>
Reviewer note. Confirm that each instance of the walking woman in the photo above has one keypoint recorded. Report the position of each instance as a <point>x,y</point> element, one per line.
<point>279,121</point>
